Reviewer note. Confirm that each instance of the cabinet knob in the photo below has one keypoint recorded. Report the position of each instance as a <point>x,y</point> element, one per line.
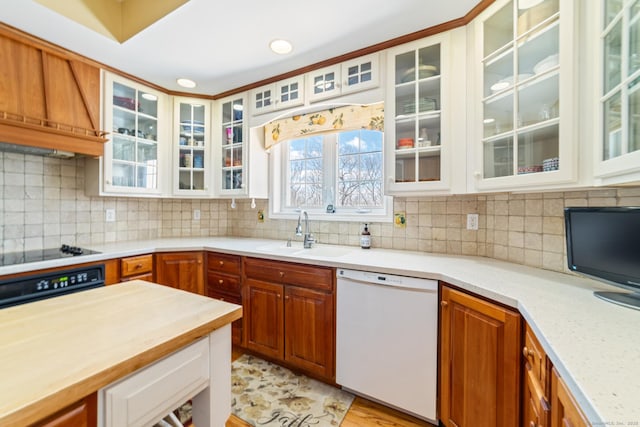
<point>444,303</point>
<point>138,266</point>
<point>282,274</point>
<point>108,181</point>
<point>286,297</point>
<point>221,281</point>
<point>532,424</point>
<point>278,295</point>
<point>527,352</point>
<point>221,262</point>
<point>477,175</point>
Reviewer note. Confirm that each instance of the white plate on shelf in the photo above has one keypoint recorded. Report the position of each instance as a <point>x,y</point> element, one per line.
<point>508,82</point>
<point>547,63</point>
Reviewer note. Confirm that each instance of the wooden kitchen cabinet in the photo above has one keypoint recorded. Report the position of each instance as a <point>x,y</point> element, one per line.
<point>137,267</point>
<point>181,270</point>
<point>536,387</point>
<point>290,314</point>
<point>83,413</point>
<point>479,362</point>
<point>224,282</point>
<point>565,412</point>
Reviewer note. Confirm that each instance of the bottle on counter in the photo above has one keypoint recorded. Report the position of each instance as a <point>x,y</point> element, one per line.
<point>365,238</point>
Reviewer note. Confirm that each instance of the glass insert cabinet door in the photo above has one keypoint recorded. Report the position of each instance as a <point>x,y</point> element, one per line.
<point>134,138</point>
<point>417,118</point>
<point>233,139</point>
<point>620,94</point>
<point>521,89</point>
<point>193,142</point>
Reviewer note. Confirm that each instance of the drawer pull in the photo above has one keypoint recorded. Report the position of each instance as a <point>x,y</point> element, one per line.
<point>221,263</point>
<point>527,352</point>
<point>221,281</point>
<point>282,274</point>
<point>138,266</point>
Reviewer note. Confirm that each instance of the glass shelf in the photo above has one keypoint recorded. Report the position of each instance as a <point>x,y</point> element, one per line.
<point>233,140</point>
<point>192,145</point>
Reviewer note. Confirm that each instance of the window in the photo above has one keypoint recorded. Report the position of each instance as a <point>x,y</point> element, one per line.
<point>343,170</point>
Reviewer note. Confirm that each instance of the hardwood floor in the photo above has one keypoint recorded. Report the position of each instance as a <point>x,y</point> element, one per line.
<point>362,413</point>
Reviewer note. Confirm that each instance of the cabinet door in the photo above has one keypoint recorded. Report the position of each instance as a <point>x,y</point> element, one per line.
<point>360,74</point>
<point>617,151</point>
<point>479,362</point>
<point>310,330</point>
<point>290,92</point>
<point>181,270</point>
<point>136,117</point>
<point>419,134</point>
<point>191,142</point>
<point>525,83</point>
<point>80,414</point>
<point>263,99</point>
<point>324,83</point>
<point>564,410</point>
<point>264,318</point>
<point>231,153</point>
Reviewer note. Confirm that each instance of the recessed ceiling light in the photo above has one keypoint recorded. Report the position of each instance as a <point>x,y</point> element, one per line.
<point>186,83</point>
<point>149,97</point>
<point>281,46</point>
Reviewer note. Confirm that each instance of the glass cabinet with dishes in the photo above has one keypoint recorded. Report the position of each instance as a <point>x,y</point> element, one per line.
<point>415,113</point>
<point>191,146</point>
<point>525,86</point>
<point>232,134</point>
<point>133,156</point>
<point>618,148</point>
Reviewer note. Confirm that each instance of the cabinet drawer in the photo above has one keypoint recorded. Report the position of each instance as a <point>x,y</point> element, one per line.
<point>223,283</point>
<point>534,356</point>
<point>224,263</point>
<point>151,392</point>
<point>288,273</point>
<point>133,266</point>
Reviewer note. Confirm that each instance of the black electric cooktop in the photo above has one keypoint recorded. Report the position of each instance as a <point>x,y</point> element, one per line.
<point>65,251</point>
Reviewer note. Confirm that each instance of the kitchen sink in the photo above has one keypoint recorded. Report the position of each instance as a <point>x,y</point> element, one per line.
<point>297,250</point>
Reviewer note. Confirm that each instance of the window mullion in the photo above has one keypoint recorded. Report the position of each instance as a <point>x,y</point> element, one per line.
<point>330,161</point>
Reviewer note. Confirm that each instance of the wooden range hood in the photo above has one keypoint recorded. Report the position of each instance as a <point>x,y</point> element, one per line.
<point>49,98</point>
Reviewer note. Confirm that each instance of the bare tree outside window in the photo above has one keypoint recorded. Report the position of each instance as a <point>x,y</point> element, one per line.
<point>345,164</point>
<point>360,169</point>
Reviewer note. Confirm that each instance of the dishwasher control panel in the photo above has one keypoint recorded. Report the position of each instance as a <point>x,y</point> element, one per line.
<point>388,279</point>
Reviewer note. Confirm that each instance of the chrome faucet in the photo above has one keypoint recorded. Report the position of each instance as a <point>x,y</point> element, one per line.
<point>308,237</point>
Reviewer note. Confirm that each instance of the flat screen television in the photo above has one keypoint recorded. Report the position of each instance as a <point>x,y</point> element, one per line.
<point>604,243</point>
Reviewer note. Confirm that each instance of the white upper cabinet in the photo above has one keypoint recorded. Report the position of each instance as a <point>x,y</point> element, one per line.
<point>135,157</point>
<point>277,96</point>
<point>241,163</point>
<point>420,103</point>
<point>523,128</point>
<point>191,147</point>
<point>350,76</point>
<point>617,147</point>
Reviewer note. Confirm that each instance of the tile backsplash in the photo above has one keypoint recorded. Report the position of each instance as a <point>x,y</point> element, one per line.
<point>43,205</point>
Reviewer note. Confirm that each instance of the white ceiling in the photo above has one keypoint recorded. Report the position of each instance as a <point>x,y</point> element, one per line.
<point>224,45</point>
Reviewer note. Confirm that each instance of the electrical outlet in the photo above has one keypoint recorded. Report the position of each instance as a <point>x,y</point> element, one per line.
<point>110,215</point>
<point>472,221</point>
<point>196,214</point>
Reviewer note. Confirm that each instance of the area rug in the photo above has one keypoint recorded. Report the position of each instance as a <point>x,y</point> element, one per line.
<point>265,394</point>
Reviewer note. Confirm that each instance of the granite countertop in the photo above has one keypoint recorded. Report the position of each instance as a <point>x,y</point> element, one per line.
<point>56,351</point>
<point>592,343</point>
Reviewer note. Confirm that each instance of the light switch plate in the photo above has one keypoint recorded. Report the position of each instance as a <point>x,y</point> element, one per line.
<point>196,214</point>
<point>110,215</point>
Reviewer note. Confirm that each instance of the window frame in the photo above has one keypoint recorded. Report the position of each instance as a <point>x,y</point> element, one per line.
<point>279,179</point>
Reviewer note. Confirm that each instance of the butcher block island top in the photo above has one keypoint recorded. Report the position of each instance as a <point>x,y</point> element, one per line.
<point>56,351</point>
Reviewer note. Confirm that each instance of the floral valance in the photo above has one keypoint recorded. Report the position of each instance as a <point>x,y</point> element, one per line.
<point>350,117</point>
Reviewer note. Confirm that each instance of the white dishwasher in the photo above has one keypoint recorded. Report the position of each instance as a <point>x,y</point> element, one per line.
<point>386,339</point>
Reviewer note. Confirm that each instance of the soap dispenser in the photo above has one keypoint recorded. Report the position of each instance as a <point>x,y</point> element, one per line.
<point>365,238</point>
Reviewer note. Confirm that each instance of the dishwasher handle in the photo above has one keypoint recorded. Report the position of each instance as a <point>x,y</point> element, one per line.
<point>388,280</point>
